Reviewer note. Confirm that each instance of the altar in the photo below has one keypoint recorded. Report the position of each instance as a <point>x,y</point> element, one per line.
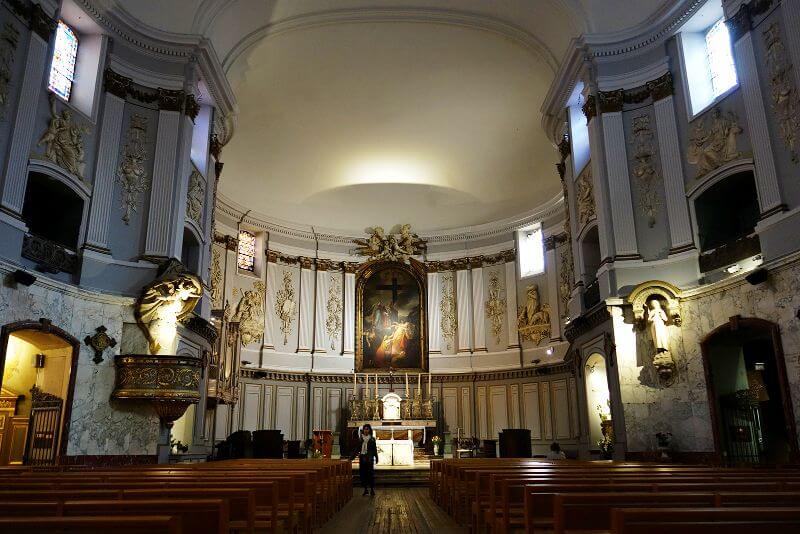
<point>395,452</point>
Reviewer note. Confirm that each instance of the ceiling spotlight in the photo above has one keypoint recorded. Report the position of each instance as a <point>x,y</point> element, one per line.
<point>733,269</point>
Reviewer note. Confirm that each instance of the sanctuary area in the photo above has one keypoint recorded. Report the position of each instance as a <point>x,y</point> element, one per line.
<point>495,265</point>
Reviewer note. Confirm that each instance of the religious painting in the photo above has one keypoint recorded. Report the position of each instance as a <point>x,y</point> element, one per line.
<point>391,332</point>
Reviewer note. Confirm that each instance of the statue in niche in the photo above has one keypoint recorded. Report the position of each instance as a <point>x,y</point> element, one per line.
<point>533,319</point>
<point>166,300</point>
<point>63,141</point>
<point>659,334</point>
<point>712,145</point>
<point>250,314</point>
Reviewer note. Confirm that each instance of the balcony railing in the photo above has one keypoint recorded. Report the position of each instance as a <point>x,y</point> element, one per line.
<point>724,255</point>
<point>591,295</point>
<point>50,257</point>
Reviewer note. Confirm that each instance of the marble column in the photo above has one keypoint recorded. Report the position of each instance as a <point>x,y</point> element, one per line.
<point>464,310</point>
<point>105,174</point>
<point>349,320</point>
<point>511,304</point>
<point>434,314</point>
<point>478,309</point>
<point>619,185</point>
<point>162,185</point>
<point>321,339</point>
<point>769,194</point>
<point>680,226</point>
<point>269,309</point>
<point>604,222</point>
<point>305,337</point>
<point>22,134</point>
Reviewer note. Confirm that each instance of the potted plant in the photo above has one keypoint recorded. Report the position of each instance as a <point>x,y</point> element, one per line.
<point>606,446</point>
<point>437,441</point>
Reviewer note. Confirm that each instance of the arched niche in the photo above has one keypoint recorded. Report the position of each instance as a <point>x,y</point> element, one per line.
<point>598,395</point>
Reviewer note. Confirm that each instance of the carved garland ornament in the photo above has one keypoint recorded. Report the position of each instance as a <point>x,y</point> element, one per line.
<point>643,167</point>
<point>496,306</point>
<point>392,247</point>
<point>785,99</point>
<point>533,319</point>
<point>8,46</point>
<point>285,305</point>
<point>565,278</point>
<point>250,314</point>
<point>448,321</point>
<point>216,278</point>
<point>585,190</point>
<point>713,141</point>
<point>195,196</point>
<point>63,141</point>
<point>333,324</point>
<point>131,174</point>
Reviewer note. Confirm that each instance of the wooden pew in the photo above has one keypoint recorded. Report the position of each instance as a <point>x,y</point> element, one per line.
<point>92,525</point>
<point>705,521</point>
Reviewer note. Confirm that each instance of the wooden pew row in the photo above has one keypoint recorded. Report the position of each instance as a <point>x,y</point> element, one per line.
<point>706,521</point>
<point>91,525</point>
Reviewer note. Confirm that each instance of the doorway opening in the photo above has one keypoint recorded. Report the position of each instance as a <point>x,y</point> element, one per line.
<point>748,394</point>
<point>39,363</point>
<point>598,399</point>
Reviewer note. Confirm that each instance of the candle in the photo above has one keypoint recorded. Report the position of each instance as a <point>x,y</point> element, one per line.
<point>355,384</point>
<point>429,385</point>
<point>406,385</point>
<point>419,383</point>
<point>376,385</point>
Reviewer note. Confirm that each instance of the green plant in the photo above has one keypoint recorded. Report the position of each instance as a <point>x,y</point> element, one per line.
<point>316,454</point>
<point>436,440</point>
<point>606,446</point>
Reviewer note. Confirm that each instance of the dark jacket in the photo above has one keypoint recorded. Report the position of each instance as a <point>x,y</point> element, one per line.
<point>372,449</point>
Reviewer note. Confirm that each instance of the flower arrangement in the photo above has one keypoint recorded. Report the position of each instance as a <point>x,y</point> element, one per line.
<point>316,454</point>
<point>606,446</point>
<point>436,440</point>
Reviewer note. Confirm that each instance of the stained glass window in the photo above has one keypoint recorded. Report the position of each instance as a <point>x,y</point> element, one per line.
<point>247,251</point>
<point>62,69</point>
<point>531,251</point>
<point>720,58</point>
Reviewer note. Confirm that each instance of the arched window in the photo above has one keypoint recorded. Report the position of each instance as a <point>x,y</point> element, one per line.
<point>531,251</point>
<point>246,259</point>
<point>45,196</point>
<point>65,55</point>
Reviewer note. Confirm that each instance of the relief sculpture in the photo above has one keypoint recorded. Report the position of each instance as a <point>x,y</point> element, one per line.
<point>785,99</point>
<point>131,174</point>
<point>63,141</point>
<point>533,319</point>
<point>713,141</point>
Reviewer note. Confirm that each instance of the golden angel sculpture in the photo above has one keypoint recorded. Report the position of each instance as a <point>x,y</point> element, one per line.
<point>164,302</point>
<point>533,319</point>
<point>391,247</point>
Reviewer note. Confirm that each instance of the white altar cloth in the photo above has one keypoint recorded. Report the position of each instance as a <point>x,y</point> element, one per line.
<point>395,451</point>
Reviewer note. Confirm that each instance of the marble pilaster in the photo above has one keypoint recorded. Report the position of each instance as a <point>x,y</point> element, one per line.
<point>306,322</point>
<point>349,321</point>
<point>511,304</point>
<point>464,310</point>
<point>478,310</point>
<point>163,190</point>
<point>321,338</point>
<point>604,221</point>
<point>269,315</point>
<point>619,186</point>
<point>434,313</point>
<point>791,21</point>
<point>551,272</point>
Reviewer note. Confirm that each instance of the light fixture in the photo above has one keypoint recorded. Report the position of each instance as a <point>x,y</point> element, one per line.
<point>733,269</point>
<point>549,351</point>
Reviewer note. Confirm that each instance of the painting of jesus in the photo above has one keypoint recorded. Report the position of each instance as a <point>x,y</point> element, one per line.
<point>390,318</point>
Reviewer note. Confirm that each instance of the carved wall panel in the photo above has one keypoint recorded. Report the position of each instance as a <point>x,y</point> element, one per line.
<point>131,174</point>
<point>783,91</point>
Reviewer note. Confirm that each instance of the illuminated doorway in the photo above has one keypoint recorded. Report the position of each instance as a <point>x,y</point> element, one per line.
<point>598,398</point>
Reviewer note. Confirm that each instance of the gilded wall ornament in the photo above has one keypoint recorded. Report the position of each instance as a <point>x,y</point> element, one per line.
<point>643,167</point>
<point>250,314</point>
<point>216,278</point>
<point>533,319</point>
<point>565,278</point>
<point>713,141</point>
<point>131,174</point>
<point>166,300</point>
<point>195,195</point>
<point>785,99</point>
<point>496,306</point>
<point>392,247</point>
<point>63,141</point>
<point>8,46</point>
<point>585,190</point>
<point>99,342</point>
<point>285,305</point>
<point>448,322</point>
<point>333,324</point>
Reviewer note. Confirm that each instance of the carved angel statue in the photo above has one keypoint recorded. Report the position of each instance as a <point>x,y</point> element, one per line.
<point>408,243</point>
<point>250,316</point>
<point>380,246</point>
<point>374,245</point>
<point>166,300</point>
<point>63,141</point>
<point>711,146</point>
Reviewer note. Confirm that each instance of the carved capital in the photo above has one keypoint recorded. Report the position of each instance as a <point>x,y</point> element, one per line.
<point>589,108</point>
<point>170,100</point>
<point>350,267</point>
<point>40,23</point>
<point>563,147</point>
<point>611,101</point>
<point>661,88</point>
<point>742,21</point>
<point>116,84</point>
<point>192,107</point>
<point>306,263</point>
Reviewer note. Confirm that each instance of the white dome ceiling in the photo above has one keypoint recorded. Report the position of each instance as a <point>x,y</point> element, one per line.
<point>354,113</point>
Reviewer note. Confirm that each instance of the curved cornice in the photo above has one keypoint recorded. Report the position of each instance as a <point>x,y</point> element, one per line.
<point>375,15</point>
<point>552,208</point>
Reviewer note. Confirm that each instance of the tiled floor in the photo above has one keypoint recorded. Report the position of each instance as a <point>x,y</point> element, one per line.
<point>392,511</point>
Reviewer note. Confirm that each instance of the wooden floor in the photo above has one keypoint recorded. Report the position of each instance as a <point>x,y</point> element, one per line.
<point>392,511</point>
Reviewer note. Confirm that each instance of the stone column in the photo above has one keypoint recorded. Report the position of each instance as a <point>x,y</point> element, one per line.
<point>511,304</point>
<point>619,185</point>
<point>769,194</point>
<point>349,320</point>
<point>478,308</point>
<point>305,334</point>
<point>464,310</point>
<point>321,338</point>
<point>22,134</point>
<point>269,305</point>
<point>551,273</point>
<point>105,173</point>
<point>434,313</point>
<point>162,185</point>
<point>680,226</point>
<point>600,186</point>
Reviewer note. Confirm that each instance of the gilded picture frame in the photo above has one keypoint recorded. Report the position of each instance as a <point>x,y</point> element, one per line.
<point>391,318</point>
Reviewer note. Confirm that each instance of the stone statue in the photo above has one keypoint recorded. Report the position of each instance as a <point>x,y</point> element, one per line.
<point>380,246</point>
<point>712,145</point>
<point>533,319</point>
<point>657,320</point>
<point>166,300</point>
<point>63,141</point>
<point>250,315</point>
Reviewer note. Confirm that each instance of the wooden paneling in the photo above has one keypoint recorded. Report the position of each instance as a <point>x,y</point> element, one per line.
<point>483,421</point>
<point>466,411</point>
<point>268,408</point>
<point>547,421</point>
<point>573,407</point>
<point>515,421</point>
<point>283,411</point>
<point>498,406</point>
<point>450,407</point>
<point>221,424</point>
<point>560,399</point>
<point>334,409</point>
<point>251,398</point>
<point>316,409</point>
<point>301,417</point>
<point>531,417</point>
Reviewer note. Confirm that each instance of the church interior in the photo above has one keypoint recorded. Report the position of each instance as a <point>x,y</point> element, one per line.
<point>504,266</point>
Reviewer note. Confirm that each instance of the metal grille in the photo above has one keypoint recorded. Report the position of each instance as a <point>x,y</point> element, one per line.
<point>43,430</point>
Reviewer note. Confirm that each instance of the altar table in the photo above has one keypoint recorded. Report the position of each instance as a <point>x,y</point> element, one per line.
<point>395,452</point>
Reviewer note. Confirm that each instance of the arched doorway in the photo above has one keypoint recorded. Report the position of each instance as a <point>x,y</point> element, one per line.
<point>39,362</point>
<point>748,393</point>
<point>598,397</point>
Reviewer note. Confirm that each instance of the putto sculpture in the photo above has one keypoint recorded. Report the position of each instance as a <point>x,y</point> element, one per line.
<point>713,141</point>
<point>533,319</point>
<point>392,247</point>
<point>63,141</point>
<point>165,301</point>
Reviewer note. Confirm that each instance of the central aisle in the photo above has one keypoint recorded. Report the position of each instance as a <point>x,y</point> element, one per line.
<point>392,511</point>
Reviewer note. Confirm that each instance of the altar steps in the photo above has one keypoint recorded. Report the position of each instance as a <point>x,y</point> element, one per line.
<point>397,477</point>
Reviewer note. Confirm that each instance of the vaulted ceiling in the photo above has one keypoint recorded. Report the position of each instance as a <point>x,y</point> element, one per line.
<point>357,112</point>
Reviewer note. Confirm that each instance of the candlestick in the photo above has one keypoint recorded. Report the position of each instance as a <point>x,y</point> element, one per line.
<point>355,384</point>
<point>406,385</point>
<point>419,383</point>
<point>429,385</point>
<point>376,385</point>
